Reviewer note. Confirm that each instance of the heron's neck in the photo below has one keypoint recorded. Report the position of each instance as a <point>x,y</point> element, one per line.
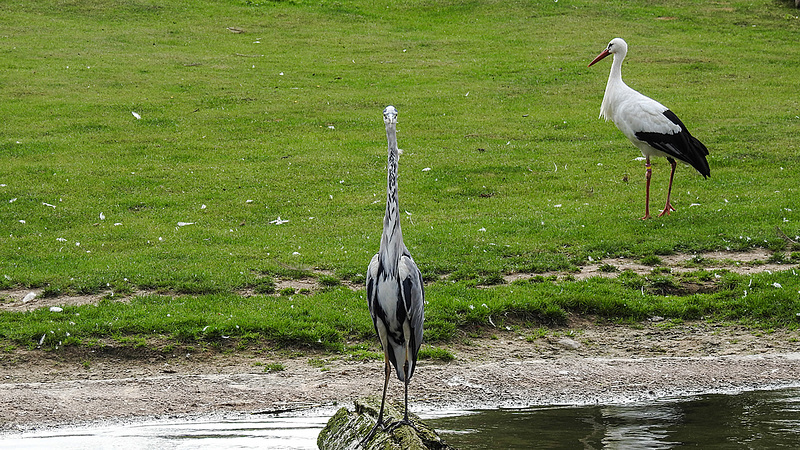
<point>392,238</point>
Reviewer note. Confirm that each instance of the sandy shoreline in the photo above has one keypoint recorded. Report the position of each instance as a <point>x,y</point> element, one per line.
<point>582,365</point>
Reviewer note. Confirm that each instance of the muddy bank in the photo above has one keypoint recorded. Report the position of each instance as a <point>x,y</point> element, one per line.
<point>582,364</point>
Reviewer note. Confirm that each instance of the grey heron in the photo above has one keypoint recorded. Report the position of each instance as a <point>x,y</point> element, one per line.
<point>395,291</point>
<point>648,124</point>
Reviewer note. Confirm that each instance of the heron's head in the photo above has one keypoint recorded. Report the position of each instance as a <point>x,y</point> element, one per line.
<point>389,115</point>
<point>616,46</point>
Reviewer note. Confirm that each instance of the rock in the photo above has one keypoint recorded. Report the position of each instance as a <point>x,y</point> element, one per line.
<point>569,343</point>
<point>346,429</point>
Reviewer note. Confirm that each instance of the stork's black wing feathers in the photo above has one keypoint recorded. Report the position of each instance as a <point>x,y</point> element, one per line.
<point>682,145</point>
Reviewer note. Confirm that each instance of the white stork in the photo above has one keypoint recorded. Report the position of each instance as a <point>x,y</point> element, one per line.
<point>649,125</point>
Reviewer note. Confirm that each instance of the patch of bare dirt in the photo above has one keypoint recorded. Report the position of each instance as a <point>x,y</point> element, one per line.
<point>20,300</point>
<point>752,262</point>
<point>583,363</point>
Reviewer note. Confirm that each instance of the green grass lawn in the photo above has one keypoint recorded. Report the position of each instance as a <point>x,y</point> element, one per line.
<point>253,110</point>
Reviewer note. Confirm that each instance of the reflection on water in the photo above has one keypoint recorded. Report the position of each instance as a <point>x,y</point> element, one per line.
<point>760,419</point>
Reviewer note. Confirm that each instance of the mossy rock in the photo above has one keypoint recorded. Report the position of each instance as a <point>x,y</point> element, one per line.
<point>347,428</point>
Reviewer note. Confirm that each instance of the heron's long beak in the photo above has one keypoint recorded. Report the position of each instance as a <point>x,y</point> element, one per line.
<point>602,55</point>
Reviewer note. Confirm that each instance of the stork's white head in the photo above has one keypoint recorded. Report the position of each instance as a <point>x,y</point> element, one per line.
<point>390,115</point>
<point>617,46</point>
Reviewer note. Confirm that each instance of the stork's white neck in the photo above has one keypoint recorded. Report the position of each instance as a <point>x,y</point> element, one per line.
<point>614,87</point>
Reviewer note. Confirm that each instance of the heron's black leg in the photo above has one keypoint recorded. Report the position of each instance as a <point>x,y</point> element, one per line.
<point>379,422</point>
<point>405,416</point>
<point>668,207</point>
<point>406,420</point>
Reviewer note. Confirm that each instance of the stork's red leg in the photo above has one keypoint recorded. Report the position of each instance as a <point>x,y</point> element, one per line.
<point>648,174</point>
<point>668,206</point>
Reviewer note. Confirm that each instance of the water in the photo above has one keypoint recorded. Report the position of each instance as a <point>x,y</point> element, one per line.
<point>757,420</point>
<point>217,433</point>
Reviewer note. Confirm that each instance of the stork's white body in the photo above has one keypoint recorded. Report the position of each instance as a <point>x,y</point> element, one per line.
<point>633,112</point>
<point>649,125</point>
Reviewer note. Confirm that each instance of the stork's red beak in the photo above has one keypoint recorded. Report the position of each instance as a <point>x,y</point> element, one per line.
<point>602,55</point>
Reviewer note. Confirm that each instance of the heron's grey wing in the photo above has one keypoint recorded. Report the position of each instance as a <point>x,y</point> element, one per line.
<point>414,299</point>
<point>372,277</point>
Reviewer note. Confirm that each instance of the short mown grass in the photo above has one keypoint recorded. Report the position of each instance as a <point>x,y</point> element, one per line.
<point>506,167</point>
<point>331,320</point>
